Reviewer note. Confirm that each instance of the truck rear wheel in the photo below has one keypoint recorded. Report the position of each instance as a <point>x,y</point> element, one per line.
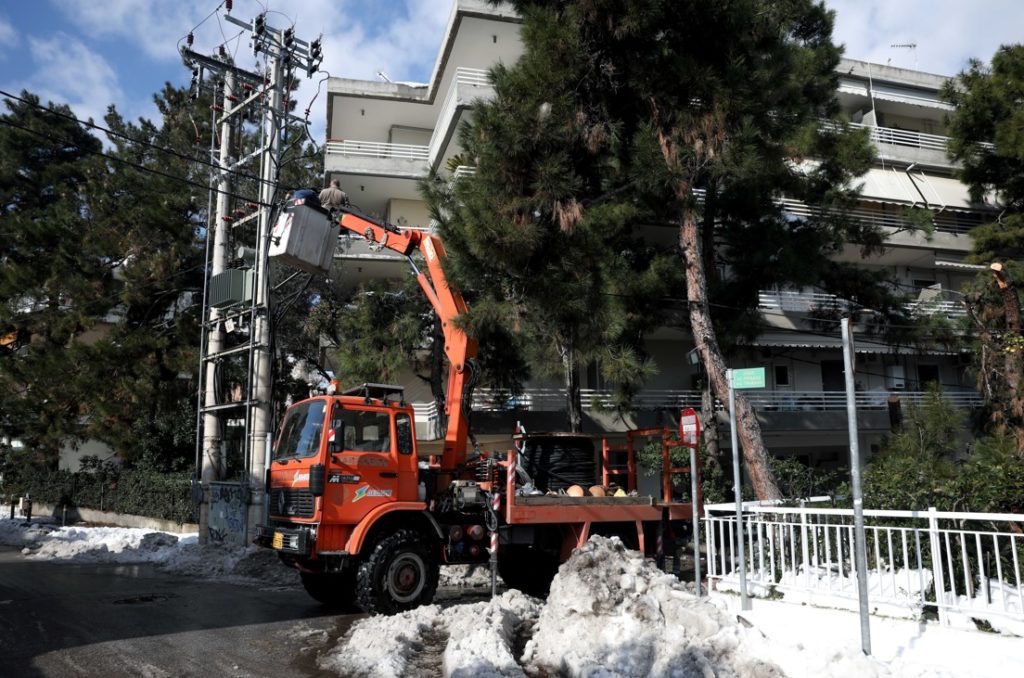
<point>527,568</point>
<point>400,573</point>
<point>333,589</point>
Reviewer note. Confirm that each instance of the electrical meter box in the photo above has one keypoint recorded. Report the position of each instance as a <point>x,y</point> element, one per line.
<point>304,238</point>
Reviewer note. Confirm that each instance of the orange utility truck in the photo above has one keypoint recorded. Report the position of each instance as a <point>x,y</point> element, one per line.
<point>366,522</point>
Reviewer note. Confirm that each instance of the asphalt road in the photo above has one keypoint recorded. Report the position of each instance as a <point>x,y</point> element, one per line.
<point>69,619</point>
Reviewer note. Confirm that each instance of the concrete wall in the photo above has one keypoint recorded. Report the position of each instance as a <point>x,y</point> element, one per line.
<point>117,519</point>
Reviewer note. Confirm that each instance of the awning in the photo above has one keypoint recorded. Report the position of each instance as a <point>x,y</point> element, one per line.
<point>915,188</point>
<point>888,185</point>
<point>906,95</point>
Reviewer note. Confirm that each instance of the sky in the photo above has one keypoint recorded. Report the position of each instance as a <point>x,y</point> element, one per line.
<point>91,54</point>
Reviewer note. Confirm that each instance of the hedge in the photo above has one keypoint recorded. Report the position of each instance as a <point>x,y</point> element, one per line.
<point>166,496</point>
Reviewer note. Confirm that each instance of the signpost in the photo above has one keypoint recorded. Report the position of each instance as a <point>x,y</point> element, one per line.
<point>860,542</point>
<point>752,377</point>
<point>689,433</point>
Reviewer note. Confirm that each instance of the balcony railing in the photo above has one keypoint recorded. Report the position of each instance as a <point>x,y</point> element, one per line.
<point>805,302</point>
<point>902,137</point>
<point>943,222</point>
<point>553,400</point>
<point>372,149</point>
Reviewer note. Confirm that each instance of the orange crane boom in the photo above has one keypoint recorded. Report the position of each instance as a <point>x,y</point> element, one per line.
<point>447,303</point>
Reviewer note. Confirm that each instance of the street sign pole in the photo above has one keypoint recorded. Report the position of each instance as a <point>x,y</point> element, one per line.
<point>738,489</point>
<point>858,498</point>
<point>689,433</point>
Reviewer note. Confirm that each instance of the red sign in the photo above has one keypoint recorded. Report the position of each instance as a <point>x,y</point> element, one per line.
<point>689,428</point>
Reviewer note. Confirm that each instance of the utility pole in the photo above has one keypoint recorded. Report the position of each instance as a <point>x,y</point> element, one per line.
<point>213,452</point>
<point>265,92</point>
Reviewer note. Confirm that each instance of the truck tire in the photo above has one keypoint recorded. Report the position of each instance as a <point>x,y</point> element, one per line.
<point>527,568</point>
<point>400,573</point>
<point>336,590</point>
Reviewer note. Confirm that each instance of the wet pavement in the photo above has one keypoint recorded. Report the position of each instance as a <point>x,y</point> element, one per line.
<point>80,619</point>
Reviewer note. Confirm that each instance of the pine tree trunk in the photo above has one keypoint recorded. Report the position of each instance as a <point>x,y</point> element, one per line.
<point>571,379</point>
<point>1012,365</point>
<point>748,428</point>
<point>710,419</point>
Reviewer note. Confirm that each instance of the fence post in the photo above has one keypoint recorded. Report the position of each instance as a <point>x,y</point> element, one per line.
<point>804,548</point>
<point>937,578</point>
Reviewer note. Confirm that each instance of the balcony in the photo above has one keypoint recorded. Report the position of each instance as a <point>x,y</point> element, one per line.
<point>553,400</point>
<point>370,157</point>
<point>910,146</point>
<point>467,86</point>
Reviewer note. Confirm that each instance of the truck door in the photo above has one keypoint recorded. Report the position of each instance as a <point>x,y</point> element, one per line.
<point>364,474</point>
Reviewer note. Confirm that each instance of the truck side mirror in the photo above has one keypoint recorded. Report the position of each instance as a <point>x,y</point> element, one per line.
<point>316,480</point>
<point>336,439</point>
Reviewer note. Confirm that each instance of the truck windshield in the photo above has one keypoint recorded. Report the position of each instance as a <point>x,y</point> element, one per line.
<point>300,435</point>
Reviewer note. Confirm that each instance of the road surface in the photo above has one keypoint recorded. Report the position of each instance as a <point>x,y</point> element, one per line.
<point>73,619</point>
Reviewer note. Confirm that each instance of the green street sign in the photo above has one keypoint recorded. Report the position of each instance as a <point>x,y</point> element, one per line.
<point>752,377</point>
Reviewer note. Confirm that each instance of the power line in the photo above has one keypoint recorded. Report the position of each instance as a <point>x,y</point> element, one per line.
<point>133,165</point>
<point>143,142</point>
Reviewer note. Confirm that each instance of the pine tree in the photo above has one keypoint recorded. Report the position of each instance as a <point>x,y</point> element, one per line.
<point>720,104</point>
<point>542,235</point>
<point>987,138</point>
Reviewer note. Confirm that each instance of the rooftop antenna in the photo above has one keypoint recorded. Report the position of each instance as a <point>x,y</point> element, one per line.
<point>912,46</point>
<point>383,76</point>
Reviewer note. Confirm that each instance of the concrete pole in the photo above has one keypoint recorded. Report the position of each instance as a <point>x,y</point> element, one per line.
<point>261,395</point>
<point>860,545</point>
<point>213,450</point>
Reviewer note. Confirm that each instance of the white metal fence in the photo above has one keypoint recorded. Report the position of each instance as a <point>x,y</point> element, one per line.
<point>964,566</point>
<point>373,149</point>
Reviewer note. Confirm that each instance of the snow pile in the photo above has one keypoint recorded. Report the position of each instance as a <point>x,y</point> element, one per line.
<point>996,606</point>
<point>176,554</point>
<point>466,576</point>
<point>461,640</point>
<point>612,613</point>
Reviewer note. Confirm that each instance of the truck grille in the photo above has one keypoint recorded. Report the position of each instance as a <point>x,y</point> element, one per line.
<point>291,502</point>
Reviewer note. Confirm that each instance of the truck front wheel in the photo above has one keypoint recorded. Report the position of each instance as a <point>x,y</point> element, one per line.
<point>399,574</point>
<point>334,589</point>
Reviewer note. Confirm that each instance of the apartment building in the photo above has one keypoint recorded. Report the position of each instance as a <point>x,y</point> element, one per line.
<point>384,137</point>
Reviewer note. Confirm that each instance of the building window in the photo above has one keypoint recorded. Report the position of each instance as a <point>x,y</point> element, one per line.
<point>782,375</point>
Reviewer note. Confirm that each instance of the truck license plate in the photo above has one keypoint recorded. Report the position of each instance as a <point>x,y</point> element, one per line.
<point>278,541</point>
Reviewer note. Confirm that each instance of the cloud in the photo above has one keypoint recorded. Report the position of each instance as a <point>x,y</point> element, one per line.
<point>8,37</point>
<point>66,71</point>
<point>947,33</point>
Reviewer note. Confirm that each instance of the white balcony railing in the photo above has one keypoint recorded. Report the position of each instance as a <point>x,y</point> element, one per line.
<point>948,223</point>
<point>806,302</point>
<point>553,400</point>
<point>902,137</point>
<point>372,149</point>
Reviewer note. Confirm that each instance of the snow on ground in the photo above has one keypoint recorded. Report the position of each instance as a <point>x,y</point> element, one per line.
<point>610,613</point>
<point>44,539</point>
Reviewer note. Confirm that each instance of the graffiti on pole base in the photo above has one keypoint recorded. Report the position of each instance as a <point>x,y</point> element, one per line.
<point>228,510</point>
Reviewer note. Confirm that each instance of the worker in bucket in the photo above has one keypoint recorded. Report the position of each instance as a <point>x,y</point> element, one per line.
<point>332,197</point>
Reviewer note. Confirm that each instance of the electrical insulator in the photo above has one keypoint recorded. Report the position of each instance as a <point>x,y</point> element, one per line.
<point>221,51</point>
<point>260,24</point>
<point>314,49</point>
<point>227,6</point>
<point>289,36</point>
<point>189,39</point>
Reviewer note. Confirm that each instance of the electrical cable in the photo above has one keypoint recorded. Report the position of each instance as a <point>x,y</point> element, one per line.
<point>138,167</point>
<point>163,149</point>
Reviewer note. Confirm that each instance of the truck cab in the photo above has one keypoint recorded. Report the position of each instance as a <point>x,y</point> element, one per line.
<point>337,460</point>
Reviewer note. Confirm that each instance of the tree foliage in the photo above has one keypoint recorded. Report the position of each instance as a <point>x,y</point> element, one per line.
<point>100,275</point>
<point>987,138</point>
